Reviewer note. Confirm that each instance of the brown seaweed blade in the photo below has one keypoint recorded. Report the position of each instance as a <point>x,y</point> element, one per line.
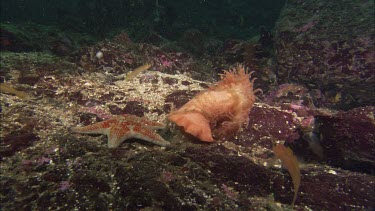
<point>290,162</point>
<point>7,88</point>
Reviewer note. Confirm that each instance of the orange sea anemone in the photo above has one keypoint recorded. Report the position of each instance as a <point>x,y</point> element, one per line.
<point>221,110</point>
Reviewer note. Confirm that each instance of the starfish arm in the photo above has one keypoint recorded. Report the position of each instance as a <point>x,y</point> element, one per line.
<point>117,134</point>
<point>114,141</point>
<point>143,121</point>
<point>151,124</point>
<point>154,127</point>
<point>151,136</point>
<point>97,128</point>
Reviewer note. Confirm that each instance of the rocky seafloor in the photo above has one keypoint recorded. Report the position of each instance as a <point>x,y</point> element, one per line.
<point>46,167</point>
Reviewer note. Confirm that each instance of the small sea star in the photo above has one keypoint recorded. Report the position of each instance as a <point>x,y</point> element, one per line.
<point>123,127</point>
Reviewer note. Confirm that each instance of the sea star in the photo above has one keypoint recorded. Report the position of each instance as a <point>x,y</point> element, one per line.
<point>122,127</point>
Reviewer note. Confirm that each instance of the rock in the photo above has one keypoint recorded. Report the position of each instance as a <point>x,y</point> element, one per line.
<point>15,142</point>
<point>329,45</point>
<point>348,139</point>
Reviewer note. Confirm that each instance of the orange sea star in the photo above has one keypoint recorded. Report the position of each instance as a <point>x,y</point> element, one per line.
<point>123,127</point>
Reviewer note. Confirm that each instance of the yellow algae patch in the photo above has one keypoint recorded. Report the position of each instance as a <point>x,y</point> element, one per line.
<point>136,71</point>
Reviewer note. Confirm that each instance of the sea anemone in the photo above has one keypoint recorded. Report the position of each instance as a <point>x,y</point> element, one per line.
<point>221,110</point>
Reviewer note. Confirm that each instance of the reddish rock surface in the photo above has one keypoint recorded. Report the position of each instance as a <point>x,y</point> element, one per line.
<point>329,46</point>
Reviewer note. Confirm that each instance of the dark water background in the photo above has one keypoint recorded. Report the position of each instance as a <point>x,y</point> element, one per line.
<point>221,19</point>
